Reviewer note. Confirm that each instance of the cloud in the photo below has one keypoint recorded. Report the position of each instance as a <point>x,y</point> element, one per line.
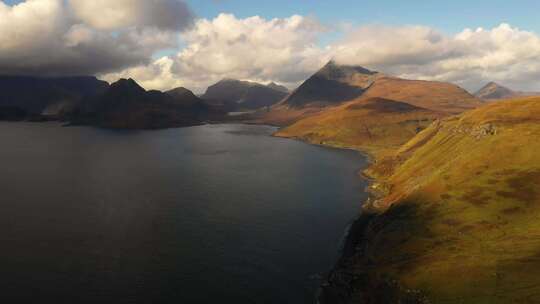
<point>287,51</point>
<point>120,39</point>
<point>470,58</point>
<point>49,37</point>
<point>116,14</point>
<point>282,49</point>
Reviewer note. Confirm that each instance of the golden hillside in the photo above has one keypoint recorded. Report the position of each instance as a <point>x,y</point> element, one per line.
<point>374,125</point>
<point>460,219</point>
<point>433,95</point>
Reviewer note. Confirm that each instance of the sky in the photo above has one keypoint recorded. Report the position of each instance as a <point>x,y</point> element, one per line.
<point>193,43</point>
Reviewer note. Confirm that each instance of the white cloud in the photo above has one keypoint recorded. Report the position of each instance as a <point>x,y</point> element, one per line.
<point>282,50</point>
<point>286,51</point>
<point>470,58</point>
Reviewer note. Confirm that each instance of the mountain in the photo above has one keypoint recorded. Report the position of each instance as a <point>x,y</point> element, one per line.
<point>335,85</point>
<point>184,96</point>
<point>49,96</point>
<point>126,105</point>
<point>244,95</point>
<point>332,84</point>
<point>493,91</point>
<point>461,196</point>
<point>278,87</point>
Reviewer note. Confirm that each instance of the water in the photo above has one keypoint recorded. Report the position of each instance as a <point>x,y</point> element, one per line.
<point>210,214</point>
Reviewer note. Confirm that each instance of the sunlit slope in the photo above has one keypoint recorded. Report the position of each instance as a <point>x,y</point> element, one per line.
<point>374,125</point>
<point>433,95</point>
<point>464,226</point>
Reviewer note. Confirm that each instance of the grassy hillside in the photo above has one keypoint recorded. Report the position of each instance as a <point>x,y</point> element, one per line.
<point>433,95</point>
<point>374,125</point>
<point>460,219</point>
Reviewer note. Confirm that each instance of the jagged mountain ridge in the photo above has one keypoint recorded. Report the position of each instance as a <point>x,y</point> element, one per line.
<point>236,94</point>
<point>126,105</point>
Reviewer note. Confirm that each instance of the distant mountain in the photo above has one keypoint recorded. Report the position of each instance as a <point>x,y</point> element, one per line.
<point>333,84</point>
<point>127,105</point>
<point>50,96</point>
<point>244,95</point>
<point>184,96</point>
<point>492,91</point>
<point>278,87</point>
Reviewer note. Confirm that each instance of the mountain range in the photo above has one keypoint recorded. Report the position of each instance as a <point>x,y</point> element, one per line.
<point>126,105</point>
<point>34,96</point>
<point>359,108</point>
<point>236,95</point>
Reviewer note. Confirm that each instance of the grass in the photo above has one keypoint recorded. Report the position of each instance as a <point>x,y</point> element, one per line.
<point>374,125</point>
<point>461,221</point>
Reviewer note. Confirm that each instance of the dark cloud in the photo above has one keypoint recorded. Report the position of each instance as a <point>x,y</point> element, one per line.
<point>57,37</point>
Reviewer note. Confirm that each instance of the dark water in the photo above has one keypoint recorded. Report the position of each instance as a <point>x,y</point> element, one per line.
<point>211,214</point>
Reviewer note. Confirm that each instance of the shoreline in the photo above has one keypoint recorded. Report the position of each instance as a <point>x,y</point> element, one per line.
<point>336,286</point>
<point>352,273</point>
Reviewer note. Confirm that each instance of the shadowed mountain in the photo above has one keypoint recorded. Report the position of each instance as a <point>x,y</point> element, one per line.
<point>48,96</point>
<point>278,87</point>
<point>244,95</point>
<point>333,84</point>
<point>184,96</point>
<point>127,105</point>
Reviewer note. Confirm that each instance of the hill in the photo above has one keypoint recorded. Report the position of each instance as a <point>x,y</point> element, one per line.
<point>49,96</point>
<point>244,95</point>
<point>126,105</point>
<point>461,197</point>
<point>433,95</point>
<point>374,125</point>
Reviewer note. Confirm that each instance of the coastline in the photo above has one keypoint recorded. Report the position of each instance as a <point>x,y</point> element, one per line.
<point>352,277</point>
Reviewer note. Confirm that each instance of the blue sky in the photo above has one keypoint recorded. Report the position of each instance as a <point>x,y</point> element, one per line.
<point>447,16</point>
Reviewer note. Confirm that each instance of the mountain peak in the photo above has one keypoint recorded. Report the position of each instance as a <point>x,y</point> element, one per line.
<point>493,90</point>
<point>332,84</point>
<point>243,94</point>
<point>274,86</point>
<point>335,71</point>
<point>127,84</point>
